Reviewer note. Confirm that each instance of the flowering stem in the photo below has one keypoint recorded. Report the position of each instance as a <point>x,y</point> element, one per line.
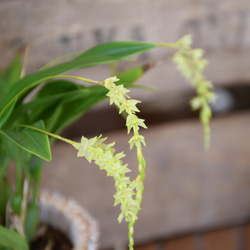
<point>50,134</point>
<point>190,64</point>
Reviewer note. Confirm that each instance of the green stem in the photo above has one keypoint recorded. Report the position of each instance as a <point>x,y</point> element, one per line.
<point>167,45</point>
<point>50,134</point>
<point>36,186</point>
<point>3,169</point>
<point>78,78</point>
<point>113,68</point>
<point>18,176</point>
<point>25,200</point>
<point>140,178</point>
<point>130,234</point>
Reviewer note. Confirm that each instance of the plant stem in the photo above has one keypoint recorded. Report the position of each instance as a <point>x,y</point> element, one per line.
<point>25,200</point>
<point>3,169</point>
<point>167,45</point>
<point>50,134</point>
<point>78,78</point>
<point>18,176</point>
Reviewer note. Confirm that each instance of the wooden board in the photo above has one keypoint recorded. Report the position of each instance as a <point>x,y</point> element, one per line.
<point>56,27</point>
<point>186,188</point>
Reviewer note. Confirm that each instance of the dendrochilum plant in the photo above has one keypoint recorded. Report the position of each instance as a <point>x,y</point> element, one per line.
<point>28,126</point>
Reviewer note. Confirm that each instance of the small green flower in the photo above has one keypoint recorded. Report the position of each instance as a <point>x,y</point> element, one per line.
<point>137,140</point>
<point>129,106</point>
<point>109,82</point>
<point>134,122</point>
<point>191,65</point>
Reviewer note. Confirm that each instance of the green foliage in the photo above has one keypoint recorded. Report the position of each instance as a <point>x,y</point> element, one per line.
<point>32,221</point>
<point>106,53</point>
<point>27,121</point>
<point>12,240</point>
<point>30,140</point>
<point>55,105</point>
<point>5,194</point>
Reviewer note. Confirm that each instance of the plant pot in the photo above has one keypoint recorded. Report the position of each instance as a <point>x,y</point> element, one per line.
<point>69,217</point>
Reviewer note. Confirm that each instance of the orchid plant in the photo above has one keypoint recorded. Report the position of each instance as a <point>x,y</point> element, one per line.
<point>28,126</point>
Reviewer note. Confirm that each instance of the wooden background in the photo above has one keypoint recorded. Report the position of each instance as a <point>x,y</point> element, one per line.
<point>186,188</point>
<point>56,27</point>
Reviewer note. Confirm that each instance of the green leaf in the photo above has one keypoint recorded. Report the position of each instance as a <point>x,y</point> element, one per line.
<point>74,105</point>
<point>12,150</point>
<point>7,113</point>
<point>12,240</point>
<point>30,140</point>
<point>119,49</point>
<point>7,78</point>
<point>48,99</point>
<point>3,88</point>
<point>35,167</point>
<point>101,54</point>
<point>13,72</point>
<point>57,87</point>
<point>130,75</point>
<point>5,194</point>
<point>32,221</point>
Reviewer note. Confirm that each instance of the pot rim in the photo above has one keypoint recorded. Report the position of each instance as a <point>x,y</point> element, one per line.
<point>71,218</point>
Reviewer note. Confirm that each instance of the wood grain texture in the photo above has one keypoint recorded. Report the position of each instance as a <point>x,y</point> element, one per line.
<point>247,236</point>
<point>187,243</point>
<point>56,27</point>
<point>220,240</point>
<point>186,188</point>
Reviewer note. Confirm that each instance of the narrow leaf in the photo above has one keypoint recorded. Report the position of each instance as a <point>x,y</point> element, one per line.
<point>12,240</point>
<point>132,75</point>
<point>119,49</point>
<point>13,72</point>
<point>30,140</point>
<point>101,54</point>
<point>6,113</point>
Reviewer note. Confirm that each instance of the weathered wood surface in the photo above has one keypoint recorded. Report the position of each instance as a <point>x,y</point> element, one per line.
<point>56,27</point>
<point>185,187</point>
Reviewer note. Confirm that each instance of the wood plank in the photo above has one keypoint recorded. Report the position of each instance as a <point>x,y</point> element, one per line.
<point>187,243</point>
<point>220,240</point>
<point>150,246</point>
<point>186,188</point>
<point>55,27</point>
<point>247,236</point>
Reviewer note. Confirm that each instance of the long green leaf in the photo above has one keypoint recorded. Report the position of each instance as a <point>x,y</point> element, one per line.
<point>119,49</point>
<point>101,54</point>
<point>6,113</point>
<point>12,240</point>
<point>3,88</point>
<point>13,73</point>
<point>130,76</point>
<point>76,103</point>
<point>31,140</point>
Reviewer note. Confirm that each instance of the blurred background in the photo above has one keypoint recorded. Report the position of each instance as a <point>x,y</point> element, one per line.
<point>193,199</point>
